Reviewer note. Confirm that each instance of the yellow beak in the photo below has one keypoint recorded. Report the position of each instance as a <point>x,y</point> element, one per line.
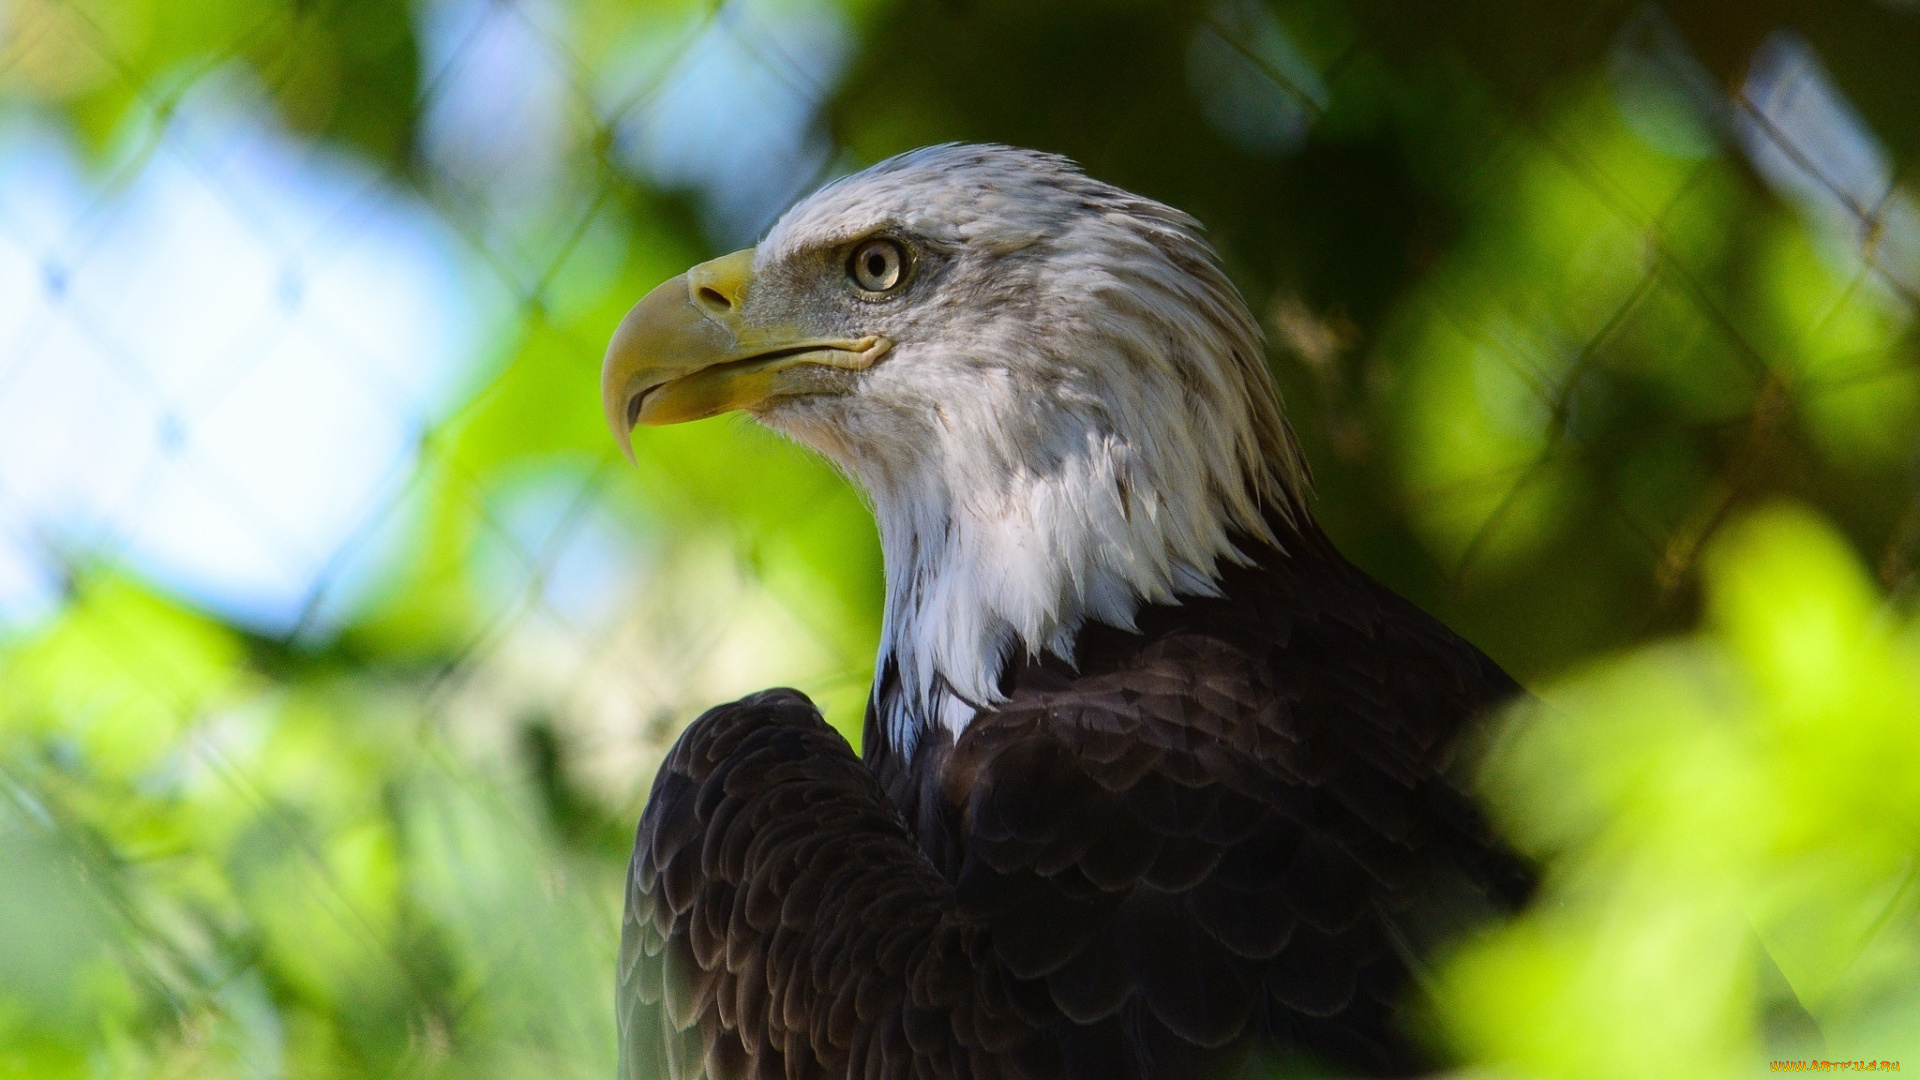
<point>687,352</point>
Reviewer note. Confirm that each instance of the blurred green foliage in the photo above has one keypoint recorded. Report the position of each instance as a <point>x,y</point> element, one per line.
<point>1574,372</point>
<point>1729,823</point>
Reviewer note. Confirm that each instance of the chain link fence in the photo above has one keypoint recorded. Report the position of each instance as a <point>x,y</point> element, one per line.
<point>337,645</point>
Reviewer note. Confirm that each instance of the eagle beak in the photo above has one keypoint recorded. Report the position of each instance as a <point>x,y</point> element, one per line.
<point>686,352</point>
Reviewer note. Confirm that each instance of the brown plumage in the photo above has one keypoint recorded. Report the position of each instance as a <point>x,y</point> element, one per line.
<point>1225,834</point>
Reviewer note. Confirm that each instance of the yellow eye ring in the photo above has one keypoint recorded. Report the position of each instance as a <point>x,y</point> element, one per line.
<point>878,266</point>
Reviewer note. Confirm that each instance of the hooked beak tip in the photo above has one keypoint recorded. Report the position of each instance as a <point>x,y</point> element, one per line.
<point>623,412</point>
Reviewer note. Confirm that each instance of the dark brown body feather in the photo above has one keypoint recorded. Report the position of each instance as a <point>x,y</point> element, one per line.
<point>1222,839</point>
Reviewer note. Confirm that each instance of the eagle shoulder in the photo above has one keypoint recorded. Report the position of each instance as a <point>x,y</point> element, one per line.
<point>781,923</point>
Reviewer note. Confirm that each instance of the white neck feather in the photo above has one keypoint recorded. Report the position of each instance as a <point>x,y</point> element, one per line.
<point>999,540</point>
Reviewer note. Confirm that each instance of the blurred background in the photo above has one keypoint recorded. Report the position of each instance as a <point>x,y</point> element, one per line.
<point>338,647</point>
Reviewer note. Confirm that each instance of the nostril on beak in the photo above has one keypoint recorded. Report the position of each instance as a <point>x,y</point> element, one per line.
<point>713,298</point>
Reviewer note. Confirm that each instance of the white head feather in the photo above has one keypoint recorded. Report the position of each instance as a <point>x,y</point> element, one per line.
<point>1074,418</point>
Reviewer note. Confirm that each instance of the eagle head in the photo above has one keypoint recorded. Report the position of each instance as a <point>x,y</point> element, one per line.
<point>1056,401</point>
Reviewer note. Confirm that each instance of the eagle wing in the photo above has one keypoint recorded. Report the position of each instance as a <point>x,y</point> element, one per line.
<point>782,923</point>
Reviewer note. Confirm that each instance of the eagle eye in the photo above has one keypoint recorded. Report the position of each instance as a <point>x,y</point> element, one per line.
<point>878,266</point>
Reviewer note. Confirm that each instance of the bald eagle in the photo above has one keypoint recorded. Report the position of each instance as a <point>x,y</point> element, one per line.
<point>1153,783</point>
